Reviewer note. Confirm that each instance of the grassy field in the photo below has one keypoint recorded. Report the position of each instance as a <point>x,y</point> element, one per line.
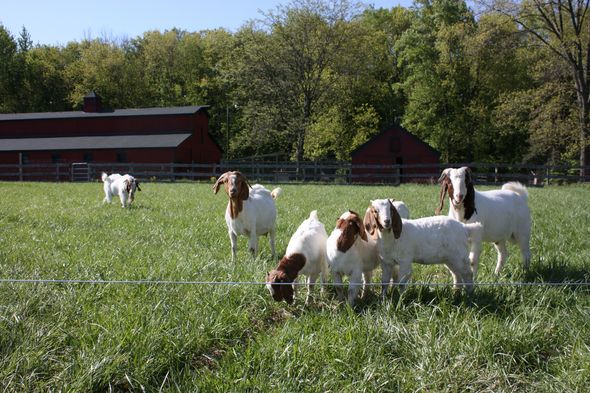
<point>120,337</point>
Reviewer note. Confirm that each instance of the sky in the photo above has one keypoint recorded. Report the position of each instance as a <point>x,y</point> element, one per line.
<point>57,22</point>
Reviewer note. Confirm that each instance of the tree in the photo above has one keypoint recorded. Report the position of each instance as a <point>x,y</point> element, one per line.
<point>289,65</point>
<point>8,72</point>
<point>437,77</point>
<point>563,28</point>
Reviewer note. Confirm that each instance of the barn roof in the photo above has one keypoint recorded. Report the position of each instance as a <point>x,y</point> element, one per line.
<point>93,142</point>
<point>401,129</point>
<point>178,110</point>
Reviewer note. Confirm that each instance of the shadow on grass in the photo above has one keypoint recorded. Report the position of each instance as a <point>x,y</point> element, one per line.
<point>557,271</point>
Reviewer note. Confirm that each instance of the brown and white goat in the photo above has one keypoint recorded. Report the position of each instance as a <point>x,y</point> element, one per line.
<point>350,252</point>
<point>124,186</point>
<point>306,254</point>
<point>428,240</point>
<point>504,213</point>
<point>251,211</point>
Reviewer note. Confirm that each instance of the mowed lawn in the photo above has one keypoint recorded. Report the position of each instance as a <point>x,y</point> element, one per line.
<point>81,337</point>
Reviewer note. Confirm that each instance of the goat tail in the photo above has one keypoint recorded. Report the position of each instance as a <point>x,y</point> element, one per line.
<point>104,176</point>
<point>474,232</point>
<point>517,188</point>
<point>313,215</point>
<point>276,192</point>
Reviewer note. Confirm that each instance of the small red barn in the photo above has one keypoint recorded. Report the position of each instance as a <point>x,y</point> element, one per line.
<point>94,135</point>
<point>391,148</point>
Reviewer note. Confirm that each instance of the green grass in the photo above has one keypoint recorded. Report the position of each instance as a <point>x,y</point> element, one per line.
<point>101,337</point>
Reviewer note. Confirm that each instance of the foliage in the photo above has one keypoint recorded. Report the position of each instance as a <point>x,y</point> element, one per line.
<point>187,337</point>
<point>314,79</point>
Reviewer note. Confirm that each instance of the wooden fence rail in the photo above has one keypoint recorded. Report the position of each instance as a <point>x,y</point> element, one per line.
<point>286,172</point>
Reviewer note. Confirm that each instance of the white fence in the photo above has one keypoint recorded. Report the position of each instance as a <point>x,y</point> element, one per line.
<point>286,172</point>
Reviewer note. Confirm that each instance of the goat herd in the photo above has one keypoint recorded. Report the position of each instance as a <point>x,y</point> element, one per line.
<point>385,236</point>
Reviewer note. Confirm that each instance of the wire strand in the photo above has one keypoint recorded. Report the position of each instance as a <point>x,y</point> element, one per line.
<point>254,283</point>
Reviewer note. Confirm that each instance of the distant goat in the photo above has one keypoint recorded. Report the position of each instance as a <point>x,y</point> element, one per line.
<point>251,211</point>
<point>123,186</point>
<point>306,254</point>
<point>504,213</point>
<point>429,240</point>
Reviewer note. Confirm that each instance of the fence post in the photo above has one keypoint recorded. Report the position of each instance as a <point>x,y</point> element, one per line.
<point>20,166</point>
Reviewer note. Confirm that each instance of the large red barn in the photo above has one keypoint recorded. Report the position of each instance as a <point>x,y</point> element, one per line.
<point>394,146</point>
<point>94,135</point>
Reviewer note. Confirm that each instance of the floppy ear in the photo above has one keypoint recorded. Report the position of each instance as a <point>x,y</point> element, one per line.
<point>127,184</point>
<point>361,228</point>
<point>222,179</point>
<point>396,222</point>
<point>369,221</point>
<point>443,193</point>
<point>137,186</point>
<point>469,201</point>
<point>244,191</point>
<point>274,277</point>
<point>287,293</point>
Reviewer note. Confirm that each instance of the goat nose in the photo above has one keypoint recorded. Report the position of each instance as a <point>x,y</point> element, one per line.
<point>387,222</point>
<point>459,197</point>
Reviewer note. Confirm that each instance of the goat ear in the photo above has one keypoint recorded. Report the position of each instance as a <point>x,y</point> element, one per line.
<point>369,221</point>
<point>222,179</point>
<point>468,174</point>
<point>361,228</point>
<point>443,193</point>
<point>469,201</point>
<point>444,174</point>
<point>396,222</point>
<point>287,293</point>
<point>137,186</point>
<point>244,192</point>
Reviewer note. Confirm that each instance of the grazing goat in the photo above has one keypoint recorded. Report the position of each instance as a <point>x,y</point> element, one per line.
<point>429,240</point>
<point>351,253</point>
<point>306,254</point>
<point>123,186</point>
<point>504,213</point>
<point>251,211</point>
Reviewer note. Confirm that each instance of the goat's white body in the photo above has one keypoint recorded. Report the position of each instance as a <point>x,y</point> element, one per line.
<point>310,240</point>
<point>429,240</point>
<point>358,262</point>
<point>505,216</point>
<point>258,217</point>
<point>114,184</point>
<point>401,208</point>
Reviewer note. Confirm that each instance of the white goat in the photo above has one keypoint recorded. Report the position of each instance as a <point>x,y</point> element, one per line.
<point>123,186</point>
<point>306,254</point>
<point>251,211</point>
<point>351,253</point>
<point>504,213</point>
<point>429,240</point>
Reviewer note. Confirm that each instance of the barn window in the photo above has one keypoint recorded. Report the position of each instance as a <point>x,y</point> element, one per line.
<point>24,157</point>
<point>394,144</point>
<point>87,156</point>
<point>55,157</point>
<point>121,156</point>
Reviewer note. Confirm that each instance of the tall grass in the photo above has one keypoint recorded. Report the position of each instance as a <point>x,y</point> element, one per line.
<point>155,337</point>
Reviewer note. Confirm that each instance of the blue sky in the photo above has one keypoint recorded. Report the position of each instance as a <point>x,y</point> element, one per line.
<point>60,21</point>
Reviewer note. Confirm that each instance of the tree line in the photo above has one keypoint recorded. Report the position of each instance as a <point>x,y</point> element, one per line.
<point>314,79</point>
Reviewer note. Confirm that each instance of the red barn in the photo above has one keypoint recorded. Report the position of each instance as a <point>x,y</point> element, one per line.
<point>94,135</point>
<point>394,146</point>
